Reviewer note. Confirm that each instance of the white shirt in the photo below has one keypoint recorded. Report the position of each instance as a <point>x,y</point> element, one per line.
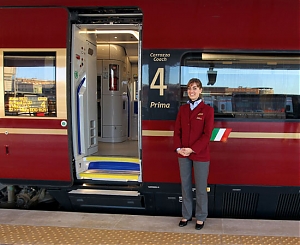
<point>193,106</point>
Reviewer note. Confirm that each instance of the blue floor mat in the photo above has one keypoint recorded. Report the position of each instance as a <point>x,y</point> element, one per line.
<point>114,166</point>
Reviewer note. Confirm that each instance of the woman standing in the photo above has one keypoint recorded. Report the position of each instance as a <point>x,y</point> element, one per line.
<point>193,128</point>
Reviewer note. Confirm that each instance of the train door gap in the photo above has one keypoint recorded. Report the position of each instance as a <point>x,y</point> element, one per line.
<point>105,88</point>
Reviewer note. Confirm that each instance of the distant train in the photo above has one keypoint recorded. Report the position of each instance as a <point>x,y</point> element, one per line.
<point>89,93</point>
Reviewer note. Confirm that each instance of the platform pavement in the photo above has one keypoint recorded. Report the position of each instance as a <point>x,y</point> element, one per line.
<point>260,231</point>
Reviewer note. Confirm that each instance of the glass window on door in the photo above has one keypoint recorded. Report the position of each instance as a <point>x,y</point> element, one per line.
<point>30,84</point>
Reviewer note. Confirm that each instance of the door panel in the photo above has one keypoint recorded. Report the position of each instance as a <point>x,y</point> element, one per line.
<point>33,27</point>
<point>33,105</point>
<point>84,94</point>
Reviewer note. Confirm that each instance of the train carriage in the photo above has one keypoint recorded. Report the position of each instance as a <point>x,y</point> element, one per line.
<point>89,93</point>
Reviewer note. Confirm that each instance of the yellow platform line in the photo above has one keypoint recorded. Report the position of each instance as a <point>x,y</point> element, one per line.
<point>29,234</point>
<point>112,159</point>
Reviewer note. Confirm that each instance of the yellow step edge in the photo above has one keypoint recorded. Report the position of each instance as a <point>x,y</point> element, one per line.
<point>113,159</point>
<point>109,176</point>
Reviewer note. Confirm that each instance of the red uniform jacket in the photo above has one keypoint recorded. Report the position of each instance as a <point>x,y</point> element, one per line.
<point>193,129</point>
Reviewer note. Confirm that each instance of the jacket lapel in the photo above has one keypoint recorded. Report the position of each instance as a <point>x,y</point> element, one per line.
<point>197,110</point>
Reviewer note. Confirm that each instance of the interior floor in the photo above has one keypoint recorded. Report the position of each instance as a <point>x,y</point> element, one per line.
<point>128,148</point>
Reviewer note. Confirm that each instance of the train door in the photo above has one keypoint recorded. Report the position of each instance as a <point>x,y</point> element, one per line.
<point>33,94</point>
<point>105,104</point>
<point>84,114</point>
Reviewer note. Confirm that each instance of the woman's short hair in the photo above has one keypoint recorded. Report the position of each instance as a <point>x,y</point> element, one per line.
<point>194,80</point>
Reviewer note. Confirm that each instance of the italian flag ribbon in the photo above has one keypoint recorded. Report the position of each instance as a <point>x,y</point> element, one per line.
<point>220,134</point>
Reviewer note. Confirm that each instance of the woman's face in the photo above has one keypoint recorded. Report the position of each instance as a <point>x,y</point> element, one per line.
<point>194,91</point>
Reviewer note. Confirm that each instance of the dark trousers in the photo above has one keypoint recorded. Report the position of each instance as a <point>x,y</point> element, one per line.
<point>201,170</point>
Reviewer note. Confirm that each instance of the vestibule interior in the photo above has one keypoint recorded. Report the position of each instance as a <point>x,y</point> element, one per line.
<point>117,89</point>
<point>105,84</point>
<point>106,88</point>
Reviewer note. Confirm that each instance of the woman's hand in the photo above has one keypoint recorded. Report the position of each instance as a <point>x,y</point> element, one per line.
<point>185,152</point>
<point>188,151</point>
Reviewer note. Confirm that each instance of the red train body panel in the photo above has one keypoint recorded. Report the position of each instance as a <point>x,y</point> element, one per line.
<point>245,24</point>
<point>44,34</point>
<point>43,166</point>
<point>258,162</point>
<point>33,123</point>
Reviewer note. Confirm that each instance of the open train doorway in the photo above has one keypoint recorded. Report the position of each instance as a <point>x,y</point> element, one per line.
<point>105,85</point>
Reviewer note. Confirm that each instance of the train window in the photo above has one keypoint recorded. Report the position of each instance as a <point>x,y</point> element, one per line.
<point>30,83</point>
<point>255,86</point>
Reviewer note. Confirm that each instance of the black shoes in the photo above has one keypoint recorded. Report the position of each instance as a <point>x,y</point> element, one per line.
<point>184,223</point>
<point>199,226</point>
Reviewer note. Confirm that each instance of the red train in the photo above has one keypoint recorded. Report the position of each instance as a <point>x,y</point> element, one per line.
<point>89,93</point>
